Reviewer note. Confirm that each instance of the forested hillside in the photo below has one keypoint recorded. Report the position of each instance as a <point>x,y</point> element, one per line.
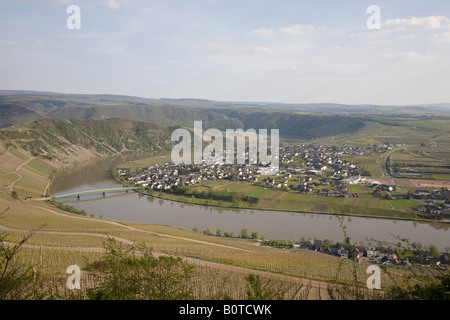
<point>53,138</point>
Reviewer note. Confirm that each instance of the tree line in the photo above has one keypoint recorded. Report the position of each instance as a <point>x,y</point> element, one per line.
<point>230,196</point>
<point>245,233</point>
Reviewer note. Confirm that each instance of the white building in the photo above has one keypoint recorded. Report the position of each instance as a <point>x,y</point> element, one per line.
<point>354,180</point>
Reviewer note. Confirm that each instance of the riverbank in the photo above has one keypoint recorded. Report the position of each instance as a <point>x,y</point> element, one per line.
<point>214,203</point>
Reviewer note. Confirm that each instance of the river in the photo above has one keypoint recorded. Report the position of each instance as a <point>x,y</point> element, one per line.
<point>133,207</point>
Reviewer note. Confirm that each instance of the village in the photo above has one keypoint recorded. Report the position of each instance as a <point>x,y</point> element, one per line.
<point>380,254</point>
<point>401,255</point>
<point>435,203</point>
<point>310,169</point>
<point>314,161</point>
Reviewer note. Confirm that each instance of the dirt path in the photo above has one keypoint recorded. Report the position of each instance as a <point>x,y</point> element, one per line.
<point>101,235</point>
<point>11,187</point>
<point>379,166</point>
<point>48,185</point>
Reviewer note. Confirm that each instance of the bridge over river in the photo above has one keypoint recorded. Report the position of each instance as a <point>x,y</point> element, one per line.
<point>79,194</point>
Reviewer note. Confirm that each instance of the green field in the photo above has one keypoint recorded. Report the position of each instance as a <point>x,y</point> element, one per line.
<point>397,130</point>
<point>157,159</point>
<point>269,199</point>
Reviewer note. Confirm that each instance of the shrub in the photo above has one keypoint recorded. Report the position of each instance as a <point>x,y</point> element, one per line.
<point>131,272</point>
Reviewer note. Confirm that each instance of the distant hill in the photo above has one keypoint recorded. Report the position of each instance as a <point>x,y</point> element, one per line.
<point>303,121</point>
<point>363,110</point>
<point>165,115</point>
<point>31,99</point>
<point>28,105</point>
<point>296,125</point>
<point>24,106</point>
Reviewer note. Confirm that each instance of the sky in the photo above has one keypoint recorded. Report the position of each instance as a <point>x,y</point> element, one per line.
<point>291,51</point>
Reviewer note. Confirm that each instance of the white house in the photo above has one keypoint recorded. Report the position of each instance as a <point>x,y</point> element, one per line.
<point>371,252</point>
<point>354,180</point>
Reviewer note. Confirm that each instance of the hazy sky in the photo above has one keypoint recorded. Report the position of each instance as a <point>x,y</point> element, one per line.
<point>233,50</point>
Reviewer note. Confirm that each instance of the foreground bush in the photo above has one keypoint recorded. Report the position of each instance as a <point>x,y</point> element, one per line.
<point>131,272</point>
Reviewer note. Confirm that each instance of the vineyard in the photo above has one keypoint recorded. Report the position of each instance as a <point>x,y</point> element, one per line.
<point>221,265</point>
<point>209,281</point>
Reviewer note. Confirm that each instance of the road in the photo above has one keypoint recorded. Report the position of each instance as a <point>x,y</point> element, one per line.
<point>388,168</point>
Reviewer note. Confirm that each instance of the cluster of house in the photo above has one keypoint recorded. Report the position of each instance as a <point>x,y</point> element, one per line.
<point>321,159</point>
<point>170,175</point>
<point>434,145</point>
<point>386,146</point>
<point>341,191</point>
<point>316,152</point>
<point>305,184</point>
<point>380,255</point>
<point>159,177</point>
<point>434,203</point>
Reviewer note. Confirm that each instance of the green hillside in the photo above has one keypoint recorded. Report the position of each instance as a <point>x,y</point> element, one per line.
<point>49,138</point>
